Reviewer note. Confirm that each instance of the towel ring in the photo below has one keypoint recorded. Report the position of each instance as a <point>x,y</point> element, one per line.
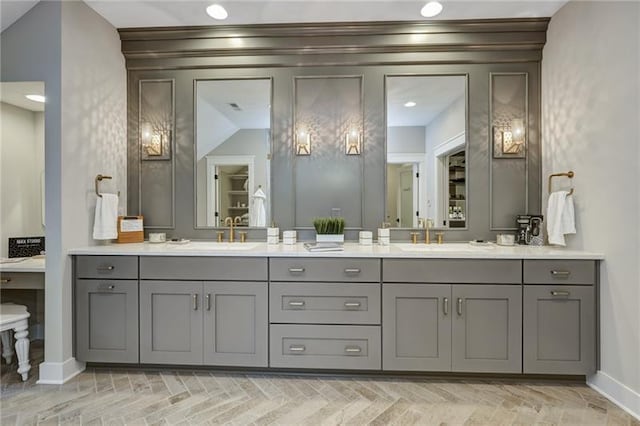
<point>570,174</point>
<point>99,178</point>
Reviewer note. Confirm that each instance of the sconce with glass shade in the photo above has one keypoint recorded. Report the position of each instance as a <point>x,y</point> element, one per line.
<point>154,143</point>
<point>510,140</point>
<point>303,142</point>
<point>353,142</point>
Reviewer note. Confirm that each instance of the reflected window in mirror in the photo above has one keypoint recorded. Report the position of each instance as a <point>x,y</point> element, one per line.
<point>232,152</point>
<point>426,150</point>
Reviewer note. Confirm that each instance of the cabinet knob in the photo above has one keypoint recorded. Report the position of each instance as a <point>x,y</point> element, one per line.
<point>558,293</point>
<point>352,304</point>
<point>445,306</point>
<point>459,306</point>
<point>297,348</point>
<point>296,303</point>
<point>208,301</point>
<point>195,302</point>
<point>296,270</point>
<point>560,274</point>
<point>352,271</point>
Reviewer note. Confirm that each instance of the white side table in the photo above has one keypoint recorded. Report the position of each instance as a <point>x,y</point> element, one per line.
<point>14,317</point>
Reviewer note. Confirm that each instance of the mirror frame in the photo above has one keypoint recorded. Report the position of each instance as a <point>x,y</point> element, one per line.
<point>195,148</point>
<point>466,142</point>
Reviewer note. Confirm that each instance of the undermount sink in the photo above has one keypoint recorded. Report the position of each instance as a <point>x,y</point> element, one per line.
<point>213,246</point>
<point>449,247</point>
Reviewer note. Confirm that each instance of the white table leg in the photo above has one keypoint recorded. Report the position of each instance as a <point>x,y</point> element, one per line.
<point>7,347</point>
<point>22,349</point>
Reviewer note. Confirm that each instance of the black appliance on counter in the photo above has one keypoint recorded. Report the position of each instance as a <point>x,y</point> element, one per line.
<point>529,228</point>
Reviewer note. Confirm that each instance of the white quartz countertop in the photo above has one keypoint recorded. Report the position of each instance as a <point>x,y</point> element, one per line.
<point>24,264</point>
<point>351,250</point>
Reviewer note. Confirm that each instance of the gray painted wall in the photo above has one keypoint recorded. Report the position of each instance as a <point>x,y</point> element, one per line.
<point>21,165</point>
<point>590,113</point>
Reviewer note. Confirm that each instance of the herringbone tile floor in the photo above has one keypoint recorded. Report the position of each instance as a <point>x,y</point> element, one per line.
<point>138,397</point>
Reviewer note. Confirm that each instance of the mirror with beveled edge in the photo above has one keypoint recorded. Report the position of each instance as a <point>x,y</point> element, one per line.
<point>426,167</point>
<point>232,152</point>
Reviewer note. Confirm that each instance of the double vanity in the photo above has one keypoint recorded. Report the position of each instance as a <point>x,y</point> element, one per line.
<point>398,308</point>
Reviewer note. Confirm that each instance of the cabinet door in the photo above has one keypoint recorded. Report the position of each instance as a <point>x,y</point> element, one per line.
<point>487,328</point>
<point>107,320</point>
<point>559,329</point>
<point>416,327</point>
<point>235,323</point>
<point>170,322</point>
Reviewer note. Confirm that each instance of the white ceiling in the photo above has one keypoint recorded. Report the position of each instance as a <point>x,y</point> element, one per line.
<point>432,95</point>
<point>136,13</point>
<point>14,94</point>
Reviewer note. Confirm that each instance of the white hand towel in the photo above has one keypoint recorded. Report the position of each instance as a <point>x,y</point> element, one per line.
<point>259,214</point>
<point>560,217</point>
<point>105,226</point>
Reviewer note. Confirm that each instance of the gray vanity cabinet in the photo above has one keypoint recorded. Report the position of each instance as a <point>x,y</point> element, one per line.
<point>170,322</point>
<point>235,323</point>
<point>107,320</point>
<point>559,316</point>
<point>416,327</point>
<point>487,328</point>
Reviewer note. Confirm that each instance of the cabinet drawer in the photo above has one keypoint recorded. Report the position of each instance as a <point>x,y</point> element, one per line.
<point>325,303</point>
<point>490,271</point>
<point>203,268</point>
<point>577,272</point>
<point>22,280</point>
<point>325,346</point>
<point>341,270</point>
<point>111,267</point>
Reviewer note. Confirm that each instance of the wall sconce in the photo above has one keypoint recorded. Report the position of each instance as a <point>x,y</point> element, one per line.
<point>509,141</point>
<point>353,142</point>
<point>303,142</point>
<point>154,144</point>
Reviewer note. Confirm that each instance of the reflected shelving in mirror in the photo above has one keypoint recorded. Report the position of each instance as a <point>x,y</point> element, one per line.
<point>426,145</point>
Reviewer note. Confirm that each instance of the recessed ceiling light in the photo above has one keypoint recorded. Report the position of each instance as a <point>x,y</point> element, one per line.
<point>217,12</point>
<point>410,104</point>
<point>35,98</point>
<point>431,9</point>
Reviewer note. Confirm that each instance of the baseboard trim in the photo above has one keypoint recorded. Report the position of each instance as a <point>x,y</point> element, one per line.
<point>619,393</point>
<point>57,373</point>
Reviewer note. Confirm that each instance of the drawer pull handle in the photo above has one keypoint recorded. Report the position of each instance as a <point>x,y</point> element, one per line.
<point>560,293</point>
<point>352,304</point>
<point>352,271</point>
<point>106,268</point>
<point>296,270</point>
<point>353,349</point>
<point>445,306</point>
<point>5,280</point>
<point>108,287</point>
<point>562,274</point>
<point>208,301</point>
<point>297,303</point>
<point>195,302</point>
<point>300,348</point>
<point>459,306</point>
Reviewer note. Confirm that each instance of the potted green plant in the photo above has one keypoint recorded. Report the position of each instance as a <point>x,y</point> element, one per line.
<point>329,229</point>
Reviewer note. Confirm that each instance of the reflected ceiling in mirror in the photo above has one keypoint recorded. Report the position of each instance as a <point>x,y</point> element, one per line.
<point>232,152</point>
<point>426,151</point>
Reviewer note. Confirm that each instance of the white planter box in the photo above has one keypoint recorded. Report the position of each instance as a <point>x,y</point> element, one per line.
<point>330,238</point>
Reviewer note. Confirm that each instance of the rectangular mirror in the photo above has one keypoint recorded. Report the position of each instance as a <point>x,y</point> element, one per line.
<point>426,150</point>
<point>232,152</point>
